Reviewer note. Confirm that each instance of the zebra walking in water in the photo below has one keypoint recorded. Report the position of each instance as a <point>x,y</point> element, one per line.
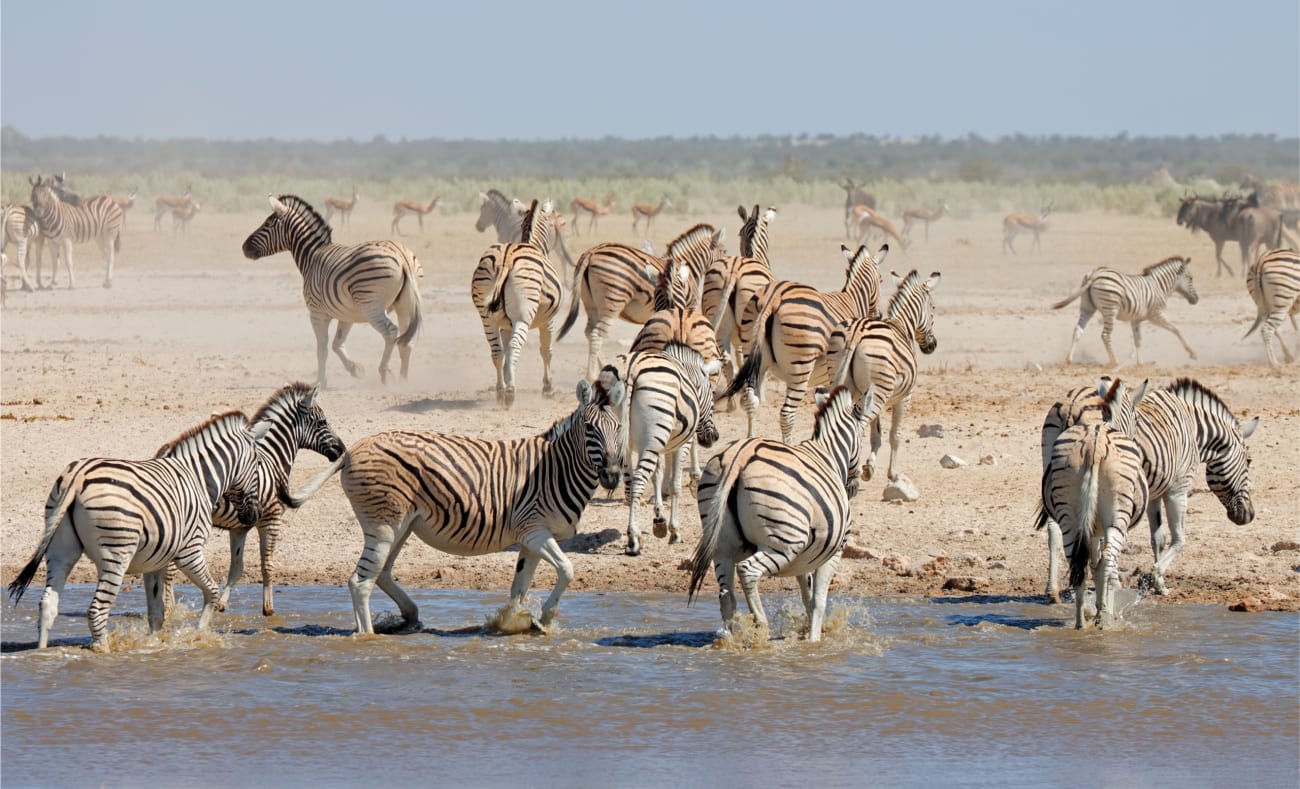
<point>791,325</point>
<point>96,219</point>
<point>1177,428</point>
<point>1273,282</point>
<point>670,402</point>
<point>614,281</point>
<point>134,516</point>
<point>294,421</point>
<point>881,354</point>
<point>515,288</point>
<point>1093,486</point>
<point>773,509</point>
<point>472,496</point>
<point>350,284</point>
<point>1133,299</point>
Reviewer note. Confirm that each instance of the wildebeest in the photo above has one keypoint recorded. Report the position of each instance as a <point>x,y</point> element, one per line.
<point>1232,219</point>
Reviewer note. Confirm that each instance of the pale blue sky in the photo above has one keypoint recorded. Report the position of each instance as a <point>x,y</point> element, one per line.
<point>492,69</point>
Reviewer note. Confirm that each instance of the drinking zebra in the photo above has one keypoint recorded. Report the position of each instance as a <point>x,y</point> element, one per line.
<point>670,402</point>
<point>770,508</point>
<point>1177,428</point>
<point>612,281</point>
<point>140,516</point>
<point>515,288</point>
<point>294,421</point>
<point>881,355</point>
<point>1273,282</point>
<point>96,219</point>
<point>1093,486</point>
<point>472,496</point>
<point>1133,299</point>
<point>350,284</point>
<point>791,323</point>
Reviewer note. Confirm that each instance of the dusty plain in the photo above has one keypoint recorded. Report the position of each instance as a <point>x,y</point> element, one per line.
<point>190,327</point>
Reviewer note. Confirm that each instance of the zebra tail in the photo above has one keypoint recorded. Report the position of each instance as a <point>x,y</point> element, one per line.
<point>564,252</point>
<point>749,374</point>
<point>296,500</point>
<point>53,517</point>
<point>711,526</point>
<point>409,296</point>
<point>1257,274</point>
<point>1058,305</point>
<point>1085,517</point>
<point>575,294</point>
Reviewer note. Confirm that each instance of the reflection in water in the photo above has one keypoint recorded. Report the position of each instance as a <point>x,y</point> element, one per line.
<point>639,690</point>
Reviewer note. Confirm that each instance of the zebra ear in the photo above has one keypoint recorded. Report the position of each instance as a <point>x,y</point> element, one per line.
<point>743,216</point>
<point>882,253</point>
<point>819,397</point>
<point>584,391</point>
<point>1103,386</point>
<point>652,272</point>
<point>276,205</point>
<point>933,281</point>
<point>310,399</point>
<point>713,368</point>
<point>1141,392</point>
<point>260,429</point>
<point>483,198</point>
<point>847,253</point>
<point>1249,427</point>
<point>720,236</point>
<point>893,277</point>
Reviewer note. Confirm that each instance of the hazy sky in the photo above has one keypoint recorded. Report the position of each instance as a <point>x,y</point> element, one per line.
<point>492,69</point>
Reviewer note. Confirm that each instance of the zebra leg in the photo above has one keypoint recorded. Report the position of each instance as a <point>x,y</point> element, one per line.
<point>544,338</point>
<point>493,334</point>
<point>237,539</point>
<point>816,602</point>
<point>23,246</point>
<point>794,395</point>
<point>268,535</point>
<point>1137,341</point>
<point>595,339</point>
<point>67,262</point>
<point>62,555</point>
<point>410,613</point>
<point>384,540</point>
<point>169,591</point>
<point>1053,561</point>
<point>869,467</point>
<point>111,568</point>
<point>633,485</point>
<point>339,345</point>
<point>153,597</point>
<point>674,487</point>
<point>1176,508</point>
<point>320,326</point>
<point>195,567</point>
<point>895,437</point>
<point>1108,328</point>
<point>750,570</point>
<point>542,543</point>
<point>518,337</point>
<point>108,259</point>
<point>390,332</point>
<point>1085,315</point>
<point>1163,322</point>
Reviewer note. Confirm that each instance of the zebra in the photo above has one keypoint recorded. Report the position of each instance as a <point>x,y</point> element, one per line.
<point>612,281</point>
<point>731,281</point>
<point>350,284</point>
<point>96,219</point>
<point>295,421</point>
<point>134,516</point>
<point>515,288</point>
<point>506,215</point>
<point>1094,487</point>
<point>770,508</point>
<point>670,402</point>
<point>881,355</point>
<point>1133,299</point>
<point>1273,282</point>
<point>471,496</point>
<point>21,230</point>
<point>1177,428</point>
<point>791,323</point>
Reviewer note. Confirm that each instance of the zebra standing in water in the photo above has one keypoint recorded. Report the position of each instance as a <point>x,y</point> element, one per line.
<point>1273,282</point>
<point>791,325</point>
<point>350,284</point>
<point>1177,428</point>
<point>1093,486</point>
<point>21,230</point>
<point>1133,299</point>
<point>670,402</point>
<point>472,496</point>
<point>293,421</point>
<point>97,219</point>
<point>515,288</point>
<point>134,516</point>
<point>732,281</point>
<point>881,355</point>
<point>612,281</point>
<point>769,508</point>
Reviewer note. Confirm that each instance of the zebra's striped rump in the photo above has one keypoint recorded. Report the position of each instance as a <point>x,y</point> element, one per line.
<point>470,496</point>
<point>1273,282</point>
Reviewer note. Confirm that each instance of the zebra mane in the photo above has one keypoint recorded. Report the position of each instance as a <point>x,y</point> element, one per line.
<point>1169,262</point>
<point>903,294</point>
<point>747,231</point>
<point>299,206</point>
<point>185,443</point>
<point>1191,390</point>
<point>526,226</point>
<point>563,425</point>
<point>676,349</point>
<point>498,199</point>
<point>831,397</point>
<point>294,391</point>
<point>692,241</point>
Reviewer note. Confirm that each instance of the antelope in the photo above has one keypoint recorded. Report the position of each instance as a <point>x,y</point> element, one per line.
<point>1015,224</point>
<point>166,204</point>
<point>862,219</point>
<point>855,195</point>
<point>404,207</point>
<point>182,216</point>
<point>341,206</point>
<point>124,203</point>
<point>581,204</point>
<point>914,215</point>
<point>649,212</point>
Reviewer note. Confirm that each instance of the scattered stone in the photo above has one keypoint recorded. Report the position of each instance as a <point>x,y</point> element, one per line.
<point>1249,605</point>
<point>931,568</point>
<point>930,431</point>
<point>997,565</point>
<point>855,551</point>
<point>962,583</point>
<point>951,461</point>
<point>988,460</point>
<point>897,563</point>
<point>1285,545</point>
<point>687,565</point>
<point>445,574</point>
<point>901,489</point>
<point>1034,367</point>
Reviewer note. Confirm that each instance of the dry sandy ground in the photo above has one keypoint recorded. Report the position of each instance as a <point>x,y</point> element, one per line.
<point>191,327</point>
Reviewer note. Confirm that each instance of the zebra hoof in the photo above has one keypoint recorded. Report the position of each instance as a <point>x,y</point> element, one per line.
<point>660,528</point>
<point>632,549</point>
<point>548,391</point>
<point>674,537</point>
<point>108,283</point>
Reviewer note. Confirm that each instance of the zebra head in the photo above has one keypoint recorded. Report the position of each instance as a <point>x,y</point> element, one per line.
<point>292,219</point>
<point>706,431</point>
<point>298,422</point>
<point>913,304</point>
<point>1227,470</point>
<point>602,419</point>
<point>1183,283</point>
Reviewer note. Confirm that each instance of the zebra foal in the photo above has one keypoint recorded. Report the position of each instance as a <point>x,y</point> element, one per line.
<point>1273,282</point>
<point>350,284</point>
<point>1133,299</point>
<point>140,516</point>
<point>471,496</point>
<point>773,509</point>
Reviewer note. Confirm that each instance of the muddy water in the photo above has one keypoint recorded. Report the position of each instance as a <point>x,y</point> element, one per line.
<point>633,691</point>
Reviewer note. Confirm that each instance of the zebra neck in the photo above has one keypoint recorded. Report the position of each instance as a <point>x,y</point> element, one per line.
<point>49,219</point>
